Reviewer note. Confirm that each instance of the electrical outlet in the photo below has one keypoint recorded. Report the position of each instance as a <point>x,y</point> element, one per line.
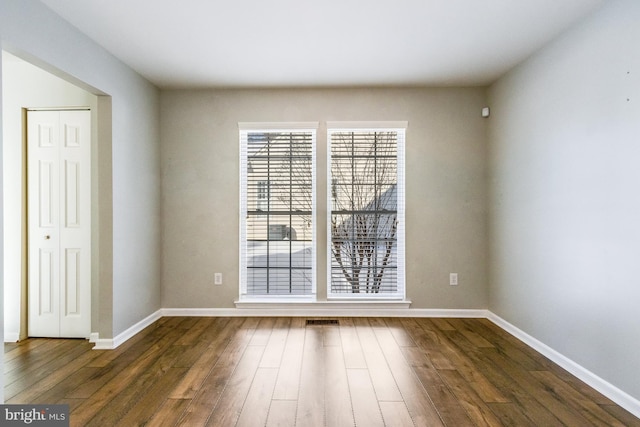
<point>453,279</point>
<point>217,278</point>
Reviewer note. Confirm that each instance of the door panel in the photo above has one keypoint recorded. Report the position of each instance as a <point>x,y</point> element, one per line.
<point>47,282</point>
<point>71,280</point>
<point>48,194</point>
<point>72,188</point>
<point>75,226</point>
<point>43,205</point>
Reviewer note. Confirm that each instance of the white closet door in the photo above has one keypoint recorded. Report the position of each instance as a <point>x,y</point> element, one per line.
<point>59,204</point>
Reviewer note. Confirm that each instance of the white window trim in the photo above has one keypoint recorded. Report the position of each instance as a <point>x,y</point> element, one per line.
<point>245,128</point>
<point>277,126</point>
<point>357,126</point>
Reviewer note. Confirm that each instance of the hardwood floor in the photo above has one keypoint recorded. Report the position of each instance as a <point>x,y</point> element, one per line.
<point>281,372</point>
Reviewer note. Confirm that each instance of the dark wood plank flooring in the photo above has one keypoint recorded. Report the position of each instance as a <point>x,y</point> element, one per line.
<point>208,371</point>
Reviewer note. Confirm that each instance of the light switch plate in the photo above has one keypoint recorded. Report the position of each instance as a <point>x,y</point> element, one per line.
<point>453,279</point>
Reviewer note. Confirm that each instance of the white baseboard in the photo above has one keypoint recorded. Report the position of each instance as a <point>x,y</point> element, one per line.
<point>464,313</point>
<point>111,343</point>
<point>104,344</point>
<point>330,309</point>
<point>11,337</point>
<point>609,390</point>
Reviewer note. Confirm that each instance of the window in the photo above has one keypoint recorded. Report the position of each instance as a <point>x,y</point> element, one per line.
<point>277,210</point>
<point>366,222</point>
<point>262,202</point>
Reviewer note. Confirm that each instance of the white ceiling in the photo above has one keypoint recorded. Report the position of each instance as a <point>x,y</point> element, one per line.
<point>286,43</point>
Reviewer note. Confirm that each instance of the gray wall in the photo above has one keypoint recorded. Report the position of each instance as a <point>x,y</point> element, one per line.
<point>445,181</point>
<point>129,198</point>
<point>565,206</point>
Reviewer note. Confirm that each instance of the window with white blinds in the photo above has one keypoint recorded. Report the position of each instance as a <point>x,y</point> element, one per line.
<point>366,223</point>
<point>277,210</point>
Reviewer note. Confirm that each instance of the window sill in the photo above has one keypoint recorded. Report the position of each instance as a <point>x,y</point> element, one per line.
<point>350,307</point>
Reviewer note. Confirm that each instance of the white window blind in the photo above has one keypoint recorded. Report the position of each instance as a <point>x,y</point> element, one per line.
<point>366,223</point>
<point>277,199</point>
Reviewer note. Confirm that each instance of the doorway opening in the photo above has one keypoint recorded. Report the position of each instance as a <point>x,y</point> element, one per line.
<point>26,86</point>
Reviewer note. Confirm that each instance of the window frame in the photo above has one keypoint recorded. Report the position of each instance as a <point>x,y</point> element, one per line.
<point>400,128</point>
<point>245,128</point>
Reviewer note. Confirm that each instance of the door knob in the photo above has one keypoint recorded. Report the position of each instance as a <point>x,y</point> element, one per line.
<point>47,237</point>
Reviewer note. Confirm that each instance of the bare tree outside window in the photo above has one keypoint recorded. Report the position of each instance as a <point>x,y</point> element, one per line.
<point>364,212</point>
